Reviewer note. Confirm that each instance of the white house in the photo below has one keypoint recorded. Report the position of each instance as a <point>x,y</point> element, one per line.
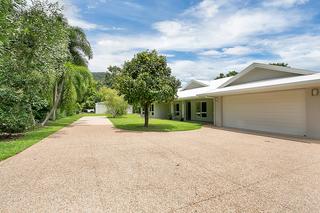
<point>261,97</point>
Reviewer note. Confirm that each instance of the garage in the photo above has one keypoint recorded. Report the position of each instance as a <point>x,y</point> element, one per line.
<point>277,112</point>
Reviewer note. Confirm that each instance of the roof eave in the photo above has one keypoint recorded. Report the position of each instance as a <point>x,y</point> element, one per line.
<point>269,88</point>
<point>267,66</point>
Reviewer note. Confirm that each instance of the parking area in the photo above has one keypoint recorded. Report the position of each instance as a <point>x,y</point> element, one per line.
<point>92,167</point>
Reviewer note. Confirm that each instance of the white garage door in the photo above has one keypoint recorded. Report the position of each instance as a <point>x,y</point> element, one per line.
<point>278,112</point>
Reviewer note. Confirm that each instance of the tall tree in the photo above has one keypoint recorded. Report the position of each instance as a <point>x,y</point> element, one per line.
<point>79,46</point>
<point>146,79</point>
<point>35,52</point>
<point>80,52</point>
<point>111,74</point>
<point>78,82</point>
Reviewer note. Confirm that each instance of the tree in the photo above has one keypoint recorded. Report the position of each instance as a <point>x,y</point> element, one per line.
<point>111,74</point>
<point>77,88</point>
<point>281,64</point>
<point>146,79</point>
<point>36,42</point>
<point>221,75</point>
<point>80,51</point>
<point>115,104</point>
<point>229,74</point>
<point>36,49</point>
<point>79,47</point>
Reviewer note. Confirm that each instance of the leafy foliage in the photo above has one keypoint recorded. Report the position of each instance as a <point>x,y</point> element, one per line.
<point>36,42</point>
<point>281,64</point>
<point>77,88</point>
<point>79,46</point>
<point>111,75</point>
<point>14,115</point>
<point>147,79</point>
<point>115,104</point>
<point>99,76</point>
<point>35,51</point>
<point>229,74</point>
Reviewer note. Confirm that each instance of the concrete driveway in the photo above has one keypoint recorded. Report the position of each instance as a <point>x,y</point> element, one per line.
<point>92,167</point>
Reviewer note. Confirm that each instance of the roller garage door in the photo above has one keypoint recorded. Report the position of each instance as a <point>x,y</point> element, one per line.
<point>278,112</point>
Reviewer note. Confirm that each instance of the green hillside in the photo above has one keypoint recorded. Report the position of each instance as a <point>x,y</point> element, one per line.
<point>99,76</point>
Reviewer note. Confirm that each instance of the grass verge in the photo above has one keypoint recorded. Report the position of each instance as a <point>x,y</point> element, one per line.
<point>11,147</point>
<point>135,123</point>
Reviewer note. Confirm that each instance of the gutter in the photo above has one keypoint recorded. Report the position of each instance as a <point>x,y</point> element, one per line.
<point>268,88</point>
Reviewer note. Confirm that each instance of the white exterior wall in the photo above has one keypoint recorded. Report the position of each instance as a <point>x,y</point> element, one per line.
<point>277,112</point>
<point>313,114</point>
<point>217,109</point>
<point>100,108</point>
<point>161,110</point>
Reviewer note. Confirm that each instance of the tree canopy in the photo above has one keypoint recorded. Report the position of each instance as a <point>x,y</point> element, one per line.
<point>115,104</point>
<point>229,74</point>
<point>281,64</point>
<point>145,79</point>
<point>111,74</point>
<point>37,49</point>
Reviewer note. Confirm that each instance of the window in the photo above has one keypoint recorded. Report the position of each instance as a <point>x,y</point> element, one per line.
<point>204,109</point>
<point>151,109</point>
<point>177,110</point>
<point>201,109</point>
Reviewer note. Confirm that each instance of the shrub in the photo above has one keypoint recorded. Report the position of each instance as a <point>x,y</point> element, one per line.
<point>14,112</point>
<point>115,104</point>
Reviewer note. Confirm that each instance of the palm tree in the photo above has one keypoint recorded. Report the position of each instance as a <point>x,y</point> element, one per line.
<point>80,52</point>
<point>79,47</point>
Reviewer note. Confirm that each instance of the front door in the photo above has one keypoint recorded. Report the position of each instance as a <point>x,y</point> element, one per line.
<point>188,111</point>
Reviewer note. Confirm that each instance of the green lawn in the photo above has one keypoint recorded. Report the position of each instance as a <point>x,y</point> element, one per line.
<point>11,147</point>
<point>135,123</point>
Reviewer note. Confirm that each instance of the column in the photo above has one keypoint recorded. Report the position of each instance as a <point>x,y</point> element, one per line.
<point>182,110</point>
<point>172,110</point>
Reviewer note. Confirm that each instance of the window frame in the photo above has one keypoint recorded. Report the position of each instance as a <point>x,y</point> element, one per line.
<point>201,113</point>
<point>177,109</point>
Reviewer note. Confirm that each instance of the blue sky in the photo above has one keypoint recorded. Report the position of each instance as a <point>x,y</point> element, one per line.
<point>201,38</point>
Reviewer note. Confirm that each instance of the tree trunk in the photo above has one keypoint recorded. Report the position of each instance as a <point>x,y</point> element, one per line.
<point>146,115</point>
<point>55,104</point>
<point>55,94</point>
<point>32,116</point>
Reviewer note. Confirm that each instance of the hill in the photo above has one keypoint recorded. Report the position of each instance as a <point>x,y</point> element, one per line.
<point>99,76</point>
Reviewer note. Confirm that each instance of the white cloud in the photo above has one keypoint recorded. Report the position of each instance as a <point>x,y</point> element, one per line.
<point>237,50</point>
<point>210,53</point>
<point>73,14</point>
<point>205,69</point>
<point>169,28</point>
<point>284,3</point>
<point>205,9</point>
<point>223,39</point>
<point>301,51</point>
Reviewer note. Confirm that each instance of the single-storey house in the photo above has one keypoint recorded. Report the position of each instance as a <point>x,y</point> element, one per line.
<point>261,97</point>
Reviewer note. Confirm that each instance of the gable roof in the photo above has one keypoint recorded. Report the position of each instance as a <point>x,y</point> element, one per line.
<point>199,83</point>
<point>192,93</point>
<point>253,66</point>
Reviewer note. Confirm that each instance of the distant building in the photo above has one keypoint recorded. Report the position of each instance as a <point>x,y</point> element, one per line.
<point>100,108</point>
